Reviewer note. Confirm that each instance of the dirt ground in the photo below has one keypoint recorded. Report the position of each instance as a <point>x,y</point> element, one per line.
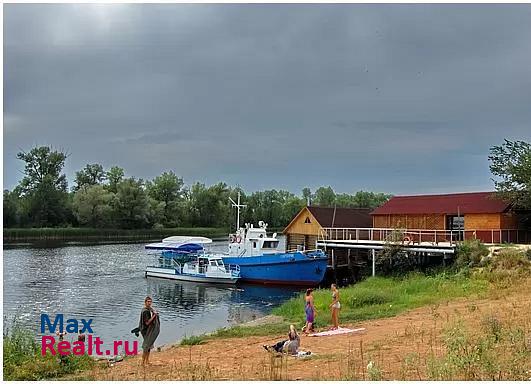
<point>391,343</point>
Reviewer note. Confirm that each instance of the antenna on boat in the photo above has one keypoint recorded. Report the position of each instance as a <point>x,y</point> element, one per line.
<point>237,205</point>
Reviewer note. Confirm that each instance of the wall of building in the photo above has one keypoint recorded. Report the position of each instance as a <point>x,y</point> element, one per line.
<point>482,221</point>
<point>301,227</point>
<point>296,240</point>
<point>427,221</point>
<point>509,221</point>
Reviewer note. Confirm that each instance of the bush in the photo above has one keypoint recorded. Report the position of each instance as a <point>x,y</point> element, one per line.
<point>192,340</point>
<point>23,360</point>
<point>393,260</point>
<point>470,252</point>
<point>495,351</point>
<point>511,259</point>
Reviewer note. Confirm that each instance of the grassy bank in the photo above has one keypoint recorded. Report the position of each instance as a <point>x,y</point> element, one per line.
<point>13,235</point>
<point>23,359</point>
<point>379,297</point>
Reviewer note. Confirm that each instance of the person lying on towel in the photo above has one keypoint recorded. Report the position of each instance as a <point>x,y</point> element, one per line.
<point>291,345</point>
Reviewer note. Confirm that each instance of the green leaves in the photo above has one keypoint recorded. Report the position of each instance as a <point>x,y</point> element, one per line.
<point>92,174</point>
<point>92,206</point>
<point>43,164</point>
<point>511,164</point>
<point>43,188</point>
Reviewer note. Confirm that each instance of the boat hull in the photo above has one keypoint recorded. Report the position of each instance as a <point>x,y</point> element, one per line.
<point>294,268</point>
<point>169,273</point>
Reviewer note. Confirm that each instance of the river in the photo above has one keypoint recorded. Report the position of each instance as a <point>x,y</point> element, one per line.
<point>106,283</point>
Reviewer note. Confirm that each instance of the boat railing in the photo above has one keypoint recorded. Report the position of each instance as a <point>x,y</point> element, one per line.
<point>177,265</point>
<point>303,251</point>
<point>234,269</point>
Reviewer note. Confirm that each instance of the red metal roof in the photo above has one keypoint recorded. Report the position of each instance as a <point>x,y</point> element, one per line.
<point>475,202</point>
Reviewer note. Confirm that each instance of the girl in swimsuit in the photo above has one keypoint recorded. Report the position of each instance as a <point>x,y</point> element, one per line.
<point>334,307</point>
<point>310,311</point>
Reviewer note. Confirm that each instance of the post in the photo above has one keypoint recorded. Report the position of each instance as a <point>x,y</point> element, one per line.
<point>238,206</point>
<point>334,266</point>
<point>373,262</point>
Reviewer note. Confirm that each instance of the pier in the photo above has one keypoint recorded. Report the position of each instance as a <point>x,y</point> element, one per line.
<point>355,247</point>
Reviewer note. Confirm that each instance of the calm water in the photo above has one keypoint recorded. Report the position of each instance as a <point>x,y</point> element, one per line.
<point>107,283</point>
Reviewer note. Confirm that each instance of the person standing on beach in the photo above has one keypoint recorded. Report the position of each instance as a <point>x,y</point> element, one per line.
<point>149,328</point>
<point>334,307</point>
<point>310,311</point>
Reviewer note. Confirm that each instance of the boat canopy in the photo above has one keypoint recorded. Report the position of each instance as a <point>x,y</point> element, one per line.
<point>180,244</point>
<point>187,239</point>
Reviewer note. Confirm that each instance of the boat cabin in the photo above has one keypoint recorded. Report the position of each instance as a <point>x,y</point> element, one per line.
<point>251,241</point>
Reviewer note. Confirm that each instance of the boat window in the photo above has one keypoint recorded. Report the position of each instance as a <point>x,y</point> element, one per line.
<point>213,263</point>
<point>254,244</point>
<point>220,262</point>
<point>270,244</point>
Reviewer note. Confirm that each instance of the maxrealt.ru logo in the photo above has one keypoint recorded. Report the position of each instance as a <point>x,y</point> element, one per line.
<point>91,345</point>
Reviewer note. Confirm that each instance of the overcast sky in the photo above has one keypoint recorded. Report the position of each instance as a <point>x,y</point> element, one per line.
<point>404,99</point>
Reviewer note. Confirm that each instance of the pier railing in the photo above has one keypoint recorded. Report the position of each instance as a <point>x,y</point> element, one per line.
<point>434,236</point>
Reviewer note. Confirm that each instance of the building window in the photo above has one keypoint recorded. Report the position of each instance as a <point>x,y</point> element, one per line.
<point>307,221</point>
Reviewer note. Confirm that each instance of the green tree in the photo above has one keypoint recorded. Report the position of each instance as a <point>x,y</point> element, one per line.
<point>131,205</point>
<point>209,207</point>
<point>11,209</point>
<point>290,207</point>
<point>92,174</point>
<point>274,207</point>
<point>511,165</point>
<point>155,213</point>
<point>114,176</point>
<point>307,195</point>
<point>363,199</point>
<point>43,165</point>
<point>92,206</point>
<point>324,197</point>
<point>44,187</point>
<point>168,189</point>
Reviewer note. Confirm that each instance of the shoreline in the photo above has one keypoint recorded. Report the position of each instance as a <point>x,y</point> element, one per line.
<point>399,347</point>
<point>13,236</point>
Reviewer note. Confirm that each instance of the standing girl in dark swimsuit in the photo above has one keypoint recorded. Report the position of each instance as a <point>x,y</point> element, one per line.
<point>310,311</point>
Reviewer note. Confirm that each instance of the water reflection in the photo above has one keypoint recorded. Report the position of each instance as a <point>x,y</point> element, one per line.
<point>107,283</point>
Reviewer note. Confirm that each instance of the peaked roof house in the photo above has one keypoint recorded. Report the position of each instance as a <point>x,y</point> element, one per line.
<point>305,228</point>
<point>478,214</point>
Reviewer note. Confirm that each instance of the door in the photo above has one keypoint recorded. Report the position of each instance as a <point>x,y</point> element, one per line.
<point>456,224</point>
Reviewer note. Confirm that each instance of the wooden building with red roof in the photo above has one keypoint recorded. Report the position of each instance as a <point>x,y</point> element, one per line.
<point>479,214</point>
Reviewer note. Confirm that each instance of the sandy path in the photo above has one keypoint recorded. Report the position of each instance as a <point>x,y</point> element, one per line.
<point>388,342</point>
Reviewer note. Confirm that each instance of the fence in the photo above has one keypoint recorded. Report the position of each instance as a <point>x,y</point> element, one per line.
<point>434,236</point>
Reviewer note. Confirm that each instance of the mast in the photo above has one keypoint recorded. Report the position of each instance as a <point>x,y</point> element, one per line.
<point>238,206</point>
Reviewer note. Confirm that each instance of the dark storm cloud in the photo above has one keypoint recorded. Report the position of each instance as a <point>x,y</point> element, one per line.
<point>396,98</point>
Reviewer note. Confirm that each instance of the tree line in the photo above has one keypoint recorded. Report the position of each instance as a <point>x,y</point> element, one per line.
<point>103,198</point>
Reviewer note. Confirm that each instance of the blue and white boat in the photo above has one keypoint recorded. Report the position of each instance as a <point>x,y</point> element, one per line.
<point>183,258</point>
<point>260,261</point>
